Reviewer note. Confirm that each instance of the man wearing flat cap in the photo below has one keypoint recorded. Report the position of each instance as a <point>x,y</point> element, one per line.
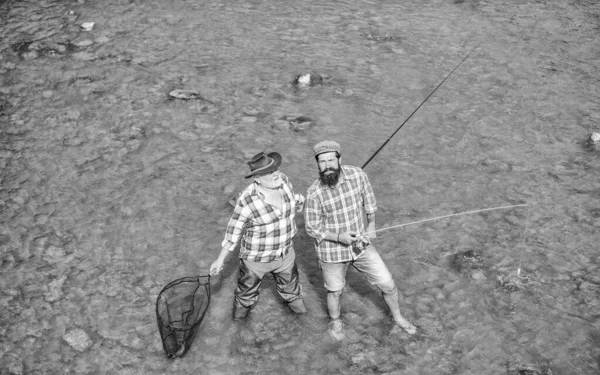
<point>335,205</point>
<point>263,218</point>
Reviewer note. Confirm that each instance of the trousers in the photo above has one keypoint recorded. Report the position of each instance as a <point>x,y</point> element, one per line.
<point>285,274</point>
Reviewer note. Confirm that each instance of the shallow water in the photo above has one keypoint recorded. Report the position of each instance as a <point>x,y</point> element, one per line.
<point>110,190</point>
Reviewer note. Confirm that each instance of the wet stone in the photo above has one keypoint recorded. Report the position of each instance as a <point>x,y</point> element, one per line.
<point>55,289</point>
<point>84,43</point>
<point>478,275</point>
<point>185,94</point>
<point>78,339</point>
<point>299,123</point>
<point>594,139</point>
<point>101,40</point>
<point>308,79</point>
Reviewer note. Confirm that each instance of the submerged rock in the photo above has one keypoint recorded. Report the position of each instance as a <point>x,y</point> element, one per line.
<point>478,275</point>
<point>78,339</point>
<point>55,289</point>
<point>594,139</point>
<point>305,80</point>
<point>185,94</point>
<point>87,26</point>
<point>299,123</point>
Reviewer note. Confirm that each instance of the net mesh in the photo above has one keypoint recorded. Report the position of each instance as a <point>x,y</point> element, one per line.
<point>180,308</point>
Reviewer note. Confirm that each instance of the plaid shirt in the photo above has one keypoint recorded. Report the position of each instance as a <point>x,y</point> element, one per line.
<point>265,231</point>
<point>338,209</point>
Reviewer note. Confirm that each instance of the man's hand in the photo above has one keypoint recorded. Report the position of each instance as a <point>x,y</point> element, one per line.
<point>347,238</point>
<point>370,232</point>
<point>216,267</point>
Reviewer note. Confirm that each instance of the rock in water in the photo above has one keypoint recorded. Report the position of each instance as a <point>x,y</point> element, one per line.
<point>185,94</point>
<point>594,139</point>
<point>78,339</point>
<point>305,80</point>
<point>87,26</point>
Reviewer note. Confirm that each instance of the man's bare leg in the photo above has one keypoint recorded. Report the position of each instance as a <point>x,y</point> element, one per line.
<point>393,302</point>
<point>334,304</point>
<point>336,327</point>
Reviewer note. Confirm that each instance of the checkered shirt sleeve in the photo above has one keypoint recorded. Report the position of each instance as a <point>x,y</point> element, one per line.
<point>339,209</point>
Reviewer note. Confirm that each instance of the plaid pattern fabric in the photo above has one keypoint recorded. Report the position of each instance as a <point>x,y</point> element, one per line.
<point>339,209</point>
<point>265,232</point>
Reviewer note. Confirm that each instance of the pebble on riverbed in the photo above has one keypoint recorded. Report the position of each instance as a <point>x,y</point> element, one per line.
<point>185,94</point>
<point>594,139</point>
<point>87,26</point>
<point>78,339</point>
<point>298,123</point>
<point>307,79</point>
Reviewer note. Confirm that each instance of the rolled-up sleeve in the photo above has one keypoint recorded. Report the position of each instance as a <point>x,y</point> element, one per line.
<point>368,195</point>
<point>235,226</point>
<point>312,218</point>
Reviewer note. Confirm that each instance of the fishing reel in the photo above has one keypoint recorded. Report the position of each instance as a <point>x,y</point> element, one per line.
<point>361,242</point>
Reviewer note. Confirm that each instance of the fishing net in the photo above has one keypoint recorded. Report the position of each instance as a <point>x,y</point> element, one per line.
<point>180,308</point>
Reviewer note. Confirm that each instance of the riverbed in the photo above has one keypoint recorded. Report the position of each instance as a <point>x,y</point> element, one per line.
<point>111,188</point>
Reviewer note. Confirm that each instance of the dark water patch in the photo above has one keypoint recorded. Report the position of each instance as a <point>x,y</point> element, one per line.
<point>83,79</point>
<point>5,106</point>
<point>465,261</point>
<point>518,368</point>
<point>378,37</point>
<point>21,46</point>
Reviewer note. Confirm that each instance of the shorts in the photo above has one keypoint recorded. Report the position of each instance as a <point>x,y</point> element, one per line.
<point>369,263</point>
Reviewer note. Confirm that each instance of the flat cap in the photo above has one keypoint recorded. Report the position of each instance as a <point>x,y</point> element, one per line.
<point>326,146</point>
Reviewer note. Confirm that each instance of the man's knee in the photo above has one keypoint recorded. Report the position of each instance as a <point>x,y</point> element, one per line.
<point>388,287</point>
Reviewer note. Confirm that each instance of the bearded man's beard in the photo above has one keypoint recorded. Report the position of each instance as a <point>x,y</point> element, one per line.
<point>330,179</point>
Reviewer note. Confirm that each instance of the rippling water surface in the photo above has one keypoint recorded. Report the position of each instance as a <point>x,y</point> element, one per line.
<point>111,189</point>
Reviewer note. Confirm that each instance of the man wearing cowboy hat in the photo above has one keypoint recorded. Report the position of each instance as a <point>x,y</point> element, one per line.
<point>263,218</point>
<point>335,204</point>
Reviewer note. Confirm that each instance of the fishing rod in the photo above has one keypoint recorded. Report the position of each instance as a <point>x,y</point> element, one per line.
<point>452,215</point>
<point>423,102</point>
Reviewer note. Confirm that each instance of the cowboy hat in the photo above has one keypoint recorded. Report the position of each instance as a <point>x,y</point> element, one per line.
<point>262,164</point>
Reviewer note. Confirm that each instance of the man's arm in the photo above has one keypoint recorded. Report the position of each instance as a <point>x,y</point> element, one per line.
<point>370,206</point>
<point>217,265</point>
<point>232,236</point>
<point>312,218</point>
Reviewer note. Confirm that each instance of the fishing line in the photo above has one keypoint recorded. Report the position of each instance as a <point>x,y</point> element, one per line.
<point>457,214</point>
<point>523,243</point>
<point>472,212</point>
<point>423,102</point>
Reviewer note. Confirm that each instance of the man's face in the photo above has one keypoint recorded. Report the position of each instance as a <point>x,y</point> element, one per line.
<point>329,168</point>
<point>271,181</point>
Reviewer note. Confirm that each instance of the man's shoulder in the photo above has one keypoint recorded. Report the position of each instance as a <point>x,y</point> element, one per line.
<point>351,171</point>
<point>247,194</point>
